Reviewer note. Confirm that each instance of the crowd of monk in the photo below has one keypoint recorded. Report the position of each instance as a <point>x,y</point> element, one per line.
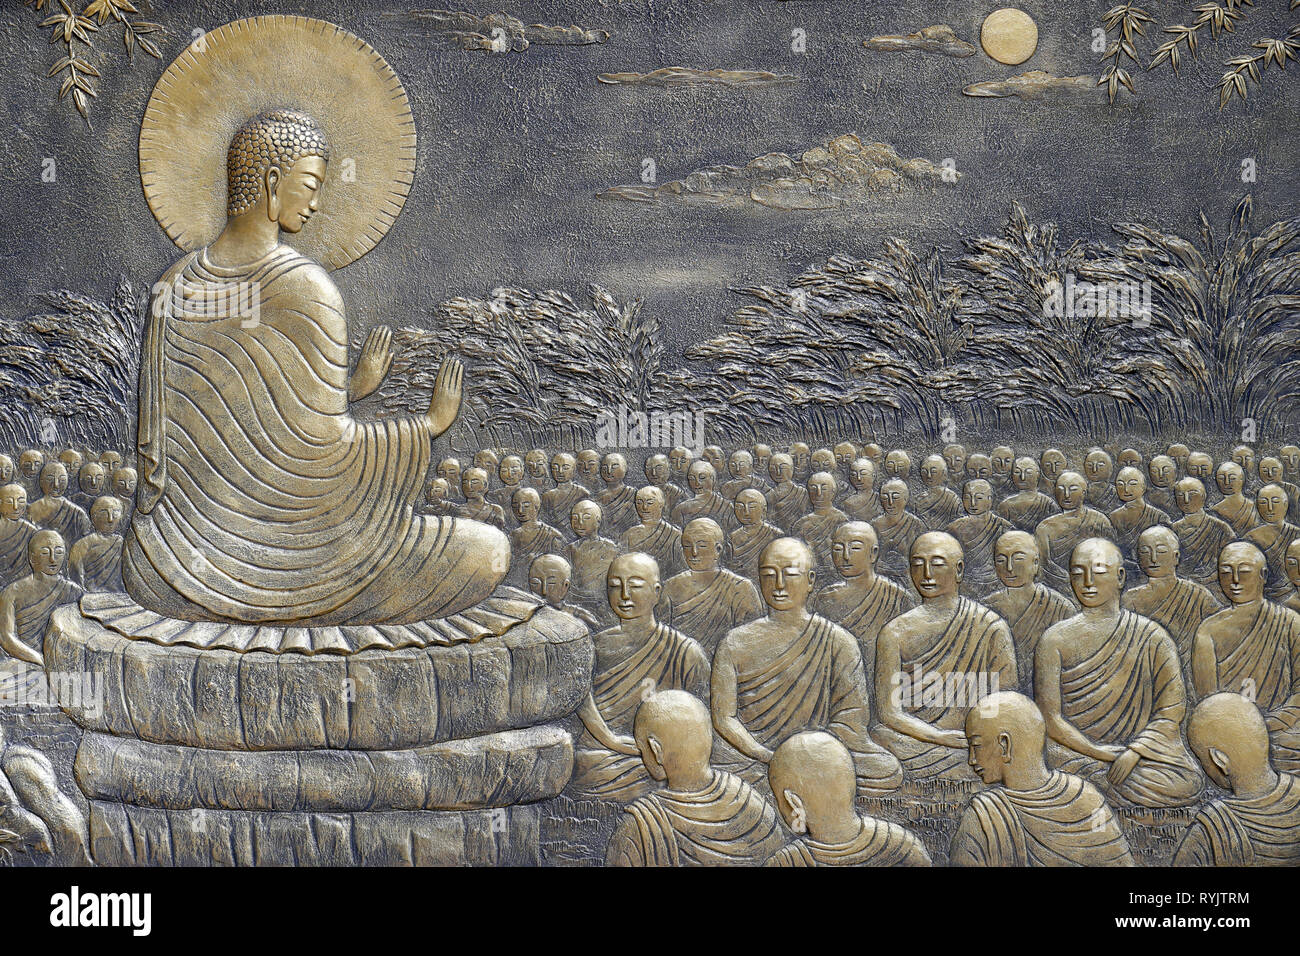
<point>777,634</point>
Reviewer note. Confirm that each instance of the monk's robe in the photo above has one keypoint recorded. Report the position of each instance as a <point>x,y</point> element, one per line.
<point>1026,509</point>
<point>1273,541</point>
<point>61,515</point>
<point>1047,486</point>
<point>711,505</point>
<point>746,546</point>
<point>878,843</point>
<point>486,512</point>
<point>1292,501</point>
<point>1180,612</point>
<point>1241,514</point>
<point>1044,609</point>
<point>95,562</point>
<point>505,497</point>
<point>1130,693</point>
<point>725,824</point>
<point>1056,563</point>
<point>438,509</point>
<point>1101,495</point>
<point>1163,498</point>
<point>15,534</point>
<point>590,558</point>
<point>895,542</point>
<point>936,507</point>
<point>674,494</point>
<point>1065,822</point>
<point>261,499</point>
<point>706,605</point>
<point>25,609</point>
<point>662,541</point>
<point>861,505</point>
<point>1293,602</point>
<point>816,529</point>
<point>1200,541</point>
<point>1246,831</point>
<point>971,655</point>
<point>527,542</point>
<point>1265,664</point>
<point>558,502</point>
<point>1128,525</point>
<point>816,683</point>
<point>736,485</point>
<point>617,508</point>
<point>668,660</point>
<point>978,534</point>
<point>863,614</point>
<point>786,504</point>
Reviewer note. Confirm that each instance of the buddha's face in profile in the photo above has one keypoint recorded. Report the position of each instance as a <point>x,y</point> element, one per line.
<point>47,553</point>
<point>535,462</point>
<point>106,515</point>
<point>632,585</point>
<point>474,483</point>
<point>954,457</point>
<point>1130,485</point>
<point>1097,466</point>
<point>740,465</point>
<point>1270,470</point>
<point>1200,465</point>
<point>1162,471</point>
<point>823,459</point>
<point>6,469</point>
<point>1271,504</point>
<point>549,578</point>
<point>30,464</point>
<point>1157,552</point>
<point>749,507</point>
<point>525,505</point>
<point>934,471</point>
<point>1242,572</point>
<point>781,468</point>
<point>563,467</point>
<point>1003,458</point>
<point>584,519</point>
<point>701,477</point>
<point>71,459</point>
<point>845,453</point>
<point>1230,478</point>
<point>935,565</point>
<point>1245,458</point>
<point>1052,463</point>
<point>1024,474</point>
<point>702,545</point>
<point>449,469</point>
<point>1179,453</point>
<point>91,479</point>
<point>54,479</point>
<point>13,501</point>
<point>1291,562</point>
<point>854,549</point>
<point>649,504</point>
<point>801,456</point>
<point>977,497</point>
<point>589,467</point>
<point>893,497</point>
<point>1096,572</point>
<point>613,469</point>
<point>897,464</point>
<point>294,197</point>
<point>979,467</point>
<point>511,471</point>
<point>656,469</point>
<point>1130,458</point>
<point>679,459</point>
<point>1070,490</point>
<point>713,455</point>
<point>124,482</point>
<point>785,574</point>
<point>821,490</point>
<point>1190,496</point>
<point>1015,559</point>
<point>863,475</point>
<point>1290,455</point>
<point>436,492</point>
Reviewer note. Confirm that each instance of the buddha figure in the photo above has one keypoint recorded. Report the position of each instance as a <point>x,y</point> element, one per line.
<point>791,671</point>
<point>1027,605</point>
<point>817,526</point>
<point>532,536</point>
<point>653,535</point>
<point>1292,571</point>
<point>590,553</point>
<point>550,578</point>
<point>30,464</point>
<point>714,456</point>
<point>864,601</point>
<point>812,780</point>
<point>701,816</point>
<point>898,464</point>
<point>6,470</point>
<point>1027,506</point>
<point>111,460</point>
<point>15,533</point>
<point>762,455</point>
<point>558,501</point>
<point>617,500</point>
<point>26,604</point>
<point>1176,604</point>
<point>935,661</point>
<point>679,461</point>
<point>535,468</point>
<point>1134,514</point>
<point>1003,459</point>
<point>95,562</point>
<point>977,532</point>
<point>863,504</point>
<point>896,528</point>
<point>1099,471</point>
<point>1051,465</point>
<point>474,487</point>
<point>936,505</point>
<point>787,501</point>
<point>1111,689</point>
<point>122,484</point>
<point>705,503</point>
<point>449,470</point>
<point>740,466</point>
<point>1258,822</point>
<point>1057,534</point>
<point>511,473</point>
<point>1163,472</point>
<point>1179,453</point>
<point>1201,467</point>
<point>1271,472</point>
<point>657,472</point>
<point>53,510</point>
<point>1201,536</point>
<point>706,600</point>
<point>1272,535</point>
<point>753,534</point>
<point>1252,647</point>
<point>1030,815</point>
<point>635,658</point>
<point>954,459</point>
<point>1243,456</point>
<point>1235,508</point>
<point>801,456</point>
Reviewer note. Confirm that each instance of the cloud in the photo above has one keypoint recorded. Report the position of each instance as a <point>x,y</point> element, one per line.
<point>843,170</point>
<point>935,39</point>
<point>1034,84</point>
<point>498,32</point>
<point>687,76</point>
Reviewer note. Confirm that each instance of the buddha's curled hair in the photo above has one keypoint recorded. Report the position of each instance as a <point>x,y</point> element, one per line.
<point>274,138</point>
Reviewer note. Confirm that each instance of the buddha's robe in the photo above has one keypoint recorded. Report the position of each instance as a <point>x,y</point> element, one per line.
<point>485,511</point>
<point>736,485</point>
<point>1025,509</point>
<point>15,534</point>
<point>864,611</point>
<point>1240,513</point>
<point>936,507</point>
<point>1101,495</point>
<point>895,541</point>
<point>971,657</point>
<point>1293,602</point>
<point>706,605</point>
<point>977,535</point>
<point>1130,693</point>
<point>725,824</point>
<point>815,683</point>
<point>1246,831</point>
<point>61,515</point>
<point>261,499</point>
<point>558,502</point>
<point>618,507</point>
<point>1065,822</point>
<point>861,505</point>
<point>1265,664</point>
<point>1180,612</point>
<point>1273,540</point>
<point>1061,539</point>
<point>1200,541</point>
<point>95,562</point>
<point>667,660</point>
<point>590,558</point>
<point>1163,498</point>
<point>1128,523</point>
<point>710,505</point>
<point>786,504</point>
<point>878,843</point>
<point>661,540</point>
<point>816,528</point>
<point>746,545</point>
<point>1045,608</point>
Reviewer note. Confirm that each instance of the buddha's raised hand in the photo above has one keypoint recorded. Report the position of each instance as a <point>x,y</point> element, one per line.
<point>373,364</point>
<point>445,402</point>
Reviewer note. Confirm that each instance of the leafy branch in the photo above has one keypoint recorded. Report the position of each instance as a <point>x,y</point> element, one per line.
<point>1220,20</point>
<point>1128,20</point>
<point>1233,82</point>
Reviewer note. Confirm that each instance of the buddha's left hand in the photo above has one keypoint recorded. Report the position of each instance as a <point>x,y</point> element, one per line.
<point>444,405</point>
<point>372,366</point>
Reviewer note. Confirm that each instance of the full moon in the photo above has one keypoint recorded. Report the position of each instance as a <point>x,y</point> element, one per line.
<point>1009,35</point>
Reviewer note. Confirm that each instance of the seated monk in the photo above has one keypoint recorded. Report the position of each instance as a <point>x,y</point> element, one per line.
<point>1111,689</point>
<point>1130,458</point>
<point>740,466</point>
<point>873,453</point>
<point>754,533</point>
<point>589,470</point>
<point>713,455</point>
<point>954,460</point>
<point>486,459</point>
<point>845,454</point>
<point>706,601</point>
<point>979,467</point>
<point>656,475</point>
<point>6,470</point>
<point>449,471</point>
<point>1133,516</point>
<point>1028,506</point>
<point>1235,508</point>
<point>511,473</point>
<point>936,505</point>
<point>1201,536</point>
<point>977,531</point>
<point>1258,824</point>
<point>1201,467</point>
<point>706,502</point>
<point>1176,604</point>
<point>1252,647</point>
<point>95,562</point>
<point>1162,472</point>
<point>653,535</point>
<point>1027,605</point>
<point>1273,535</point>
<point>437,498</point>
<point>679,463</point>
<point>812,779</point>
<point>54,511</point>
<point>111,460</point>
<point>898,465</point>
<point>30,464</point>
<point>617,500</point>
<point>549,578</point>
<point>1290,458</point>
<point>92,481</point>
<point>817,526</point>
<point>1292,570</point>
<point>1031,816</point>
<point>1243,456</point>
<point>703,816</point>
<point>1002,459</point>
<point>274,505</point>
<point>122,483</point>
<point>558,502</point>
<point>1058,534</point>
<point>532,536</point>
<point>863,504</point>
<point>26,604</point>
<point>1179,453</point>
<point>590,553</point>
<point>1100,472</point>
<point>935,661</point>
<point>793,671</point>
<point>15,533</point>
<point>802,458</point>
<point>762,456</point>
<point>1051,465</point>
<point>864,601</point>
<point>474,486</point>
<point>823,459</point>
<point>1271,472</point>
<point>896,528</point>
<point>635,658</point>
<point>787,501</point>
